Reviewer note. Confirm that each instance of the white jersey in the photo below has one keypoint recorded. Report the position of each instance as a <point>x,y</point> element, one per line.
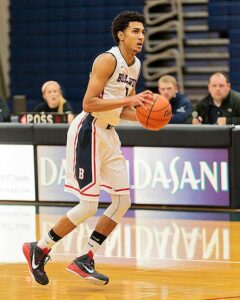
<point>119,85</point>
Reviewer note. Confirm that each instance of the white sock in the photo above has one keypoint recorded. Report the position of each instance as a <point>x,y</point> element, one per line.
<point>91,246</point>
<point>46,242</point>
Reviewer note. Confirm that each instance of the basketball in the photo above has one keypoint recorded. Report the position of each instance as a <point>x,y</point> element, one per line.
<point>158,114</point>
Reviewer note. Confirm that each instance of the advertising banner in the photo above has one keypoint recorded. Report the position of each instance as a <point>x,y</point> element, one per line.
<point>171,176</point>
<point>17,178</point>
<point>181,176</point>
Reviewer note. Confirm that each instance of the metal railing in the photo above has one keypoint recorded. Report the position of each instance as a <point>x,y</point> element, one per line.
<point>156,18</point>
<point>162,23</point>
<point>152,73</point>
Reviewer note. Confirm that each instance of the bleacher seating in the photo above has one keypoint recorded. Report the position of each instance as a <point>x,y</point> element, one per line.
<point>224,16</point>
<point>58,40</point>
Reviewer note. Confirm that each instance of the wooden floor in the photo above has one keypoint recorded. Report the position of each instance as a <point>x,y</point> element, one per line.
<point>151,255</point>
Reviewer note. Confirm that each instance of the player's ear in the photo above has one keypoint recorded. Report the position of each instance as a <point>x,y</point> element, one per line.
<point>120,35</point>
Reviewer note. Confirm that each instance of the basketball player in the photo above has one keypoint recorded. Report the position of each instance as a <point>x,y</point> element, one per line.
<point>93,155</point>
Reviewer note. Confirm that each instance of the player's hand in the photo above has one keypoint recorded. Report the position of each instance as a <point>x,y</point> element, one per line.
<point>145,97</point>
<point>197,121</point>
<point>221,121</point>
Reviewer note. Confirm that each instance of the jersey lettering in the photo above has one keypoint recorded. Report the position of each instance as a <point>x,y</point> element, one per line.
<point>124,78</point>
<point>81,173</point>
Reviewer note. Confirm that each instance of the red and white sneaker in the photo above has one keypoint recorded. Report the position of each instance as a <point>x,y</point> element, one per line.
<point>36,259</point>
<point>84,267</point>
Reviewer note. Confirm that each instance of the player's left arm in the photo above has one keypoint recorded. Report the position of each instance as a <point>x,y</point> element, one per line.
<point>129,112</point>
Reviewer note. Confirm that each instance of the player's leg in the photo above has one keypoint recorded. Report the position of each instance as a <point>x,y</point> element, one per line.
<point>84,265</point>
<point>114,176</point>
<point>107,222</point>
<point>36,253</point>
<point>113,168</point>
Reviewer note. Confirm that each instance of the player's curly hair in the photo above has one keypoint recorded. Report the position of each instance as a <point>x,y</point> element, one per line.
<point>121,21</point>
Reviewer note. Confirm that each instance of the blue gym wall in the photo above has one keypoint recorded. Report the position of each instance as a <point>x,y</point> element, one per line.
<point>58,40</point>
<point>224,17</point>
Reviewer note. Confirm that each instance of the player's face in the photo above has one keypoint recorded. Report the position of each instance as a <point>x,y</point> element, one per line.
<point>51,95</point>
<point>134,36</point>
<point>218,87</point>
<point>167,89</point>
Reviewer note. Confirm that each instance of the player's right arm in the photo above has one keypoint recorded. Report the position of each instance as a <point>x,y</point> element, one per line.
<point>103,68</point>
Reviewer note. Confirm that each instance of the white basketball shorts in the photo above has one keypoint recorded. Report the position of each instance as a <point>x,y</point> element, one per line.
<point>94,160</point>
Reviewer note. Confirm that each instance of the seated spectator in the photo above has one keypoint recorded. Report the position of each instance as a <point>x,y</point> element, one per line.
<point>181,105</point>
<point>221,106</point>
<point>4,111</point>
<point>54,100</point>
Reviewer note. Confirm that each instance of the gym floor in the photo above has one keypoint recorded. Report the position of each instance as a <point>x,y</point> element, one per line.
<point>153,254</point>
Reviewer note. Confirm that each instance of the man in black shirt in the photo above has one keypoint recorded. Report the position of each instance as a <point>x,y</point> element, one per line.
<point>221,106</point>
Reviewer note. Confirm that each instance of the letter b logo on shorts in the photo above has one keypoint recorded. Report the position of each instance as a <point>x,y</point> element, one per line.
<point>81,173</point>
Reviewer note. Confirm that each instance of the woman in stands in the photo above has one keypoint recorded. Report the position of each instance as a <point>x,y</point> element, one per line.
<point>54,100</point>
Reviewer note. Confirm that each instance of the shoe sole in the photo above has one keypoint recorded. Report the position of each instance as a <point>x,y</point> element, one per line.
<point>26,251</point>
<point>75,270</point>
